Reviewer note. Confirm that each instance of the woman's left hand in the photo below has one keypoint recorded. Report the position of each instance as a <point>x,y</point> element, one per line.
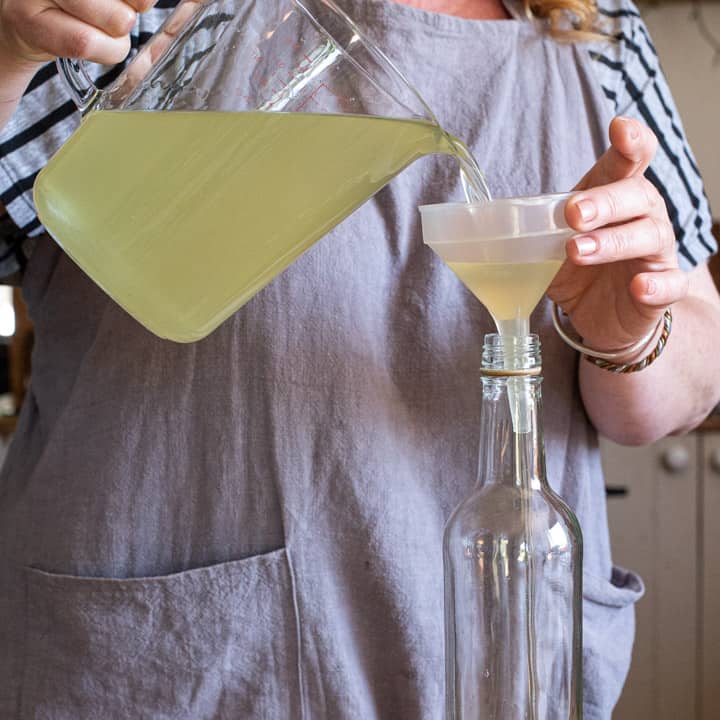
<point>622,269</point>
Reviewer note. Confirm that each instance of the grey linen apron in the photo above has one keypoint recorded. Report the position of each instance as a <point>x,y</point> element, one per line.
<point>250,526</point>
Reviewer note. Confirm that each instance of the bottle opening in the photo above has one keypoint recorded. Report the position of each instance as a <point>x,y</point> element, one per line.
<point>510,355</point>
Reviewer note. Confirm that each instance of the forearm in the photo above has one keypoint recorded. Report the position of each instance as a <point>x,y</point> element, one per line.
<point>676,392</point>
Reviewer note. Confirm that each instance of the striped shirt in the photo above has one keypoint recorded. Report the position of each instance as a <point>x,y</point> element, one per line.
<point>631,77</point>
<point>627,68</point>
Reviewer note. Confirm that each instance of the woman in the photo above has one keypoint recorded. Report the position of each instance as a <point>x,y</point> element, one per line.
<point>251,525</point>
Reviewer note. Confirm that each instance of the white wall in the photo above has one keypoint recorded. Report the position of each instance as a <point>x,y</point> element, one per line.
<point>687,60</point>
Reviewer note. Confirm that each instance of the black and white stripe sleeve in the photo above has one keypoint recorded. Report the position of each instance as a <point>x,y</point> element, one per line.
<point>632,80</point>
<point>43,121</point>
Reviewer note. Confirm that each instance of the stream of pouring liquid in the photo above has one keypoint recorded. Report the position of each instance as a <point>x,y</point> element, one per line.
<point>510,289</point>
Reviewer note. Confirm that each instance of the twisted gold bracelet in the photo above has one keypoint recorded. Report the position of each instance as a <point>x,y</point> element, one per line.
<point>604,360</point>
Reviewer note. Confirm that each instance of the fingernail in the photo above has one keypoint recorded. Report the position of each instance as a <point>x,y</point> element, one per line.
<point>632,127</point>
<point>587,209</point>
<point>585,245</point>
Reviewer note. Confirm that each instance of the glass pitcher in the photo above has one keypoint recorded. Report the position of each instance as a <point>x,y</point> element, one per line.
<point>241,133</point>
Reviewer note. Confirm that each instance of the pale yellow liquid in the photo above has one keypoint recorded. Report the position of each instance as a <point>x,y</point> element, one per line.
<point>182,217</point>
<point>510,291</point>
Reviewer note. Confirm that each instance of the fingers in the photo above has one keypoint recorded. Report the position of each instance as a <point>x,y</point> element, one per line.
<point>660,289</point>
<point>157,45</point>
<point>632,148</point>
<point>114,17</point>
<point>635,146</point>
<point>649,238</point>
<point>181,15</point>
<point>614,203</point>
<point>88,29</point>
<point>62,35</point>
<point>177,20</point>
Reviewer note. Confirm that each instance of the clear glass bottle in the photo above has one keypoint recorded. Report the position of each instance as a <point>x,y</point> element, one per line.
<point>513,565</point>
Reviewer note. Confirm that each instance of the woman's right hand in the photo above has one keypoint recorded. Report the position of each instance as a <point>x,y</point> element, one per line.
<point>36,31</point>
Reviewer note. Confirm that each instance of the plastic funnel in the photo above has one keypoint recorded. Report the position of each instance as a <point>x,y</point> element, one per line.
<point>506,252</point>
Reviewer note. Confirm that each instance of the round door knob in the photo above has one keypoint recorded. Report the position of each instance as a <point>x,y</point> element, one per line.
<point>714,460</point>
<point>676,459</point>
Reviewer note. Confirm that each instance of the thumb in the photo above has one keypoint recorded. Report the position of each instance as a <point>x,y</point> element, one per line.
<point>632,148</point>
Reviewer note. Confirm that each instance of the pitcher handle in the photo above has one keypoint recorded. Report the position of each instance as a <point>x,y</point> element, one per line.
<point>83,90</point>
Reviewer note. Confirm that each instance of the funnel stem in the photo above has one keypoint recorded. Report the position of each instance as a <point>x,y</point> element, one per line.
<point>514,331</point>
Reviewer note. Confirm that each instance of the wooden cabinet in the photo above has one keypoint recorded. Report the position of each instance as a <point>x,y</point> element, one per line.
<point>709,597</point>
<point>664,510</point>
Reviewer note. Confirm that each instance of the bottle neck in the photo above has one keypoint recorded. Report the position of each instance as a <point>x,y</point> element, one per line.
<point>507,456</point>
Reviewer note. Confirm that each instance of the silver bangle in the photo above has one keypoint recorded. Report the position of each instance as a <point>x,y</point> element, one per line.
<point>635,347</point>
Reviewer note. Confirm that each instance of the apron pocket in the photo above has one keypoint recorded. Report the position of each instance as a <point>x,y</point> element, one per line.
<point>213,642</point>
<point>608,633</point>
<point>624,588</point>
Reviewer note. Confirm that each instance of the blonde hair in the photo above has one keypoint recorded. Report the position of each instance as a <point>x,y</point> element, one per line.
<point>569,20</point>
